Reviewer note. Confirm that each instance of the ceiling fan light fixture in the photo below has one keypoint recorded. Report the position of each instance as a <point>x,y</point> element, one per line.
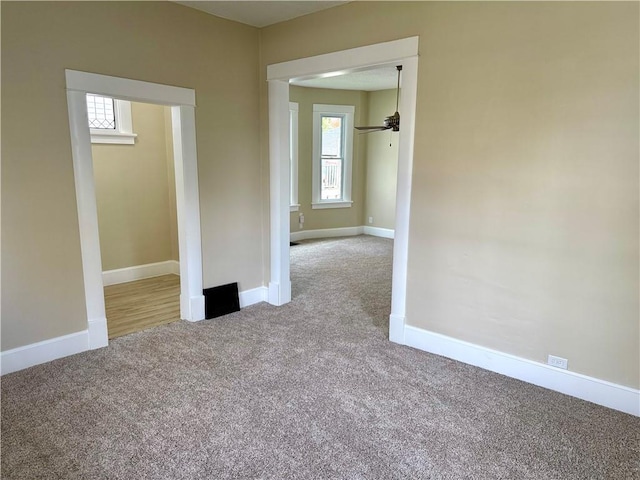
<point>392,122</point>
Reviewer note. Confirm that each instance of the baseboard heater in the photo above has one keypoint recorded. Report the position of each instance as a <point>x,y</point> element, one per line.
<point>221,300</point>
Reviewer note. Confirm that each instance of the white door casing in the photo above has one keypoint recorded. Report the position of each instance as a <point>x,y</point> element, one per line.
<point>182,102</point>
<point>398,52</point>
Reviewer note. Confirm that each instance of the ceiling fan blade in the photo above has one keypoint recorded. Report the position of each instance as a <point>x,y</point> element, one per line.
<point>377,127</point>
<point>373,130</point>
<point>391,122</point>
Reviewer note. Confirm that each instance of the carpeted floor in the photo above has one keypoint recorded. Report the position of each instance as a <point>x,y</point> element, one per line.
<point>309,390</point>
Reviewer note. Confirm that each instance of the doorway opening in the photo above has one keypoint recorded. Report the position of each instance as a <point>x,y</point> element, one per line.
<point>344,186</point>
<point>182,104</point>
<point>400,52</point>
<point>134,174</point>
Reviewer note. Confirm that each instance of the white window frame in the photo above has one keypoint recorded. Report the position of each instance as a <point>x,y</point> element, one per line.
<point>123,133</point>
<point>347,112</point>
<point>294,206</point>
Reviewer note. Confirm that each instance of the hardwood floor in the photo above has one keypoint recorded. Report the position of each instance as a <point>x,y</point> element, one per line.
<point>142,304</point>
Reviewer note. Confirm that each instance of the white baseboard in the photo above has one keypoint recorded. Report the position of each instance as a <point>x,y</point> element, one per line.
<point>42,352</point>
<point>341,232</point>
<point>138,272</point>
<point>326,233</point>
<point>617,397</point>
<point>379,232</point>
<point>255,295</point>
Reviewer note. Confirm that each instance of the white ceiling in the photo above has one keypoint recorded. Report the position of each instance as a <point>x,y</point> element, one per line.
<point>382,78</point>
<point>260,13</point>
<point>266,12</point>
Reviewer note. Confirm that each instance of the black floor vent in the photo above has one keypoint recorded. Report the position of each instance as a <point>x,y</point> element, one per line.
<point>221,300</point>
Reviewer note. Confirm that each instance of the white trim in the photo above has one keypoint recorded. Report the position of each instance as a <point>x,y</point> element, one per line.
<point>294,110</point>
<point>379,232</point>
<point>280,282</point>
<point>396,328</point>
<point>42,352</point>
<point>128,89</point>
<point>331,204</point>
<point>601,392</point>
<point>138,272</point>
<point>182,103</point>
<point>124,121</point>
<point>326,233</point>
<point>404,52</point>
<point>98,333</point>
<point>253,296</point>
<point>345,60</point>
<point>87,209</point>
<point>112,138</point>
<point>408,99</point>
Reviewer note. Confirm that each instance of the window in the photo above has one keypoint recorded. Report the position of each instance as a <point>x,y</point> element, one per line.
<point>293,157</point>
<point>109,120</point>
<point>332,155</point>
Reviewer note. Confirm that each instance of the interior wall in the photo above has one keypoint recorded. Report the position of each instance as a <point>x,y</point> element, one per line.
<point>328,217</point>
<point>382,163</point>
<point>524,226</point>
<point>133,194</point>
<point>159,42</point>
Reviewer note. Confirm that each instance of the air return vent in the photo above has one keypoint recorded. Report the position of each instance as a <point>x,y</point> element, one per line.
<point>221,300</point>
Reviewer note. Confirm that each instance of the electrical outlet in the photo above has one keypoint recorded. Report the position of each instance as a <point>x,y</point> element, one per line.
<point>558,362</point>
<point>370,219</point>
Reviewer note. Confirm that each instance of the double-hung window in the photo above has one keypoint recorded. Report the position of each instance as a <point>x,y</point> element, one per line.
<point>293,157</point>
<point>109,120</point>
<point>332,155</point>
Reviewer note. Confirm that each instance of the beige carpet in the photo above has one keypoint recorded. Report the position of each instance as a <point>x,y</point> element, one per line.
<point>309,390</point>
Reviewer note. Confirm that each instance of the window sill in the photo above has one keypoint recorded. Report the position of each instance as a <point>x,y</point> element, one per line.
<point>321,205</point>
<point>294,208</point>
<point>119,138</point>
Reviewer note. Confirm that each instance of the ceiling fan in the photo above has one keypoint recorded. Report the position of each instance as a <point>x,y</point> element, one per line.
<point>391,122</point>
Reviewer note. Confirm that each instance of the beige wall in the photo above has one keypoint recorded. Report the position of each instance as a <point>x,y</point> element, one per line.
<point>328,217</point>
<point>525,204</point>
<point>152,41</point>
<point>525,207</point>
<point>136,202</point>
<point>382,163</point>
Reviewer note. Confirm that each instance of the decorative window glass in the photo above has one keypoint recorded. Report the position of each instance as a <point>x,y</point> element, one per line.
<point>109,120</point>
<point>101,112</point>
